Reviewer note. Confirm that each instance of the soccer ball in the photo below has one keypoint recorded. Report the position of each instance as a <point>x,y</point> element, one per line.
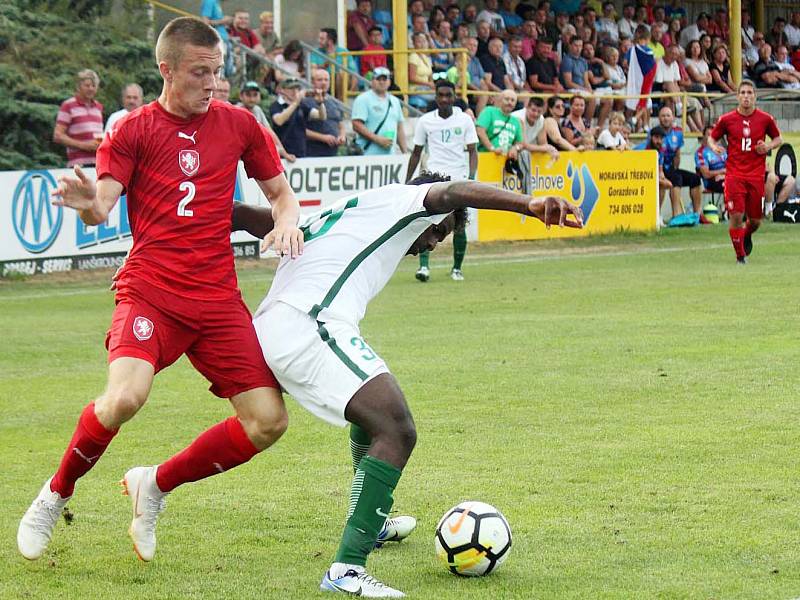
<point>473,539</point>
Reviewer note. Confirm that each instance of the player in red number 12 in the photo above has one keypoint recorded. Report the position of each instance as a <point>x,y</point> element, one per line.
<point>746,129</point>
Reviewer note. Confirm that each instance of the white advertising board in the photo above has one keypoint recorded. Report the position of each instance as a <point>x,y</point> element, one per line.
<point>37,237</point>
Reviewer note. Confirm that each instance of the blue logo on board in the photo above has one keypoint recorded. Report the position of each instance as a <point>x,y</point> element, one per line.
<point>583,190</point>
<point>36,221</point>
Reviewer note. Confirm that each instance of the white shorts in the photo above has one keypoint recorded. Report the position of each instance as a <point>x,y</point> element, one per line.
<point>321,365</point>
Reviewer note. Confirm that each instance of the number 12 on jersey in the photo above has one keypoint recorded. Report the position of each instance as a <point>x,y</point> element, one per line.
<point>747,144</point>
<point>188,187</point>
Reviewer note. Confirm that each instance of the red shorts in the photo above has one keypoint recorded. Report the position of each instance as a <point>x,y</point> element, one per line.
<point>744,196</point>
<point>218,337</point>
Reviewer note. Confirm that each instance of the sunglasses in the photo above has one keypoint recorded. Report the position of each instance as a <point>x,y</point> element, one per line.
<point>439,75</point>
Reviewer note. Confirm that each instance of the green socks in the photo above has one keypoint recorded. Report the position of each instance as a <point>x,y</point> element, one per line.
<point>359,444</point>
<point>370,502</point>
<point>459,248</point>
<point>423,258</point>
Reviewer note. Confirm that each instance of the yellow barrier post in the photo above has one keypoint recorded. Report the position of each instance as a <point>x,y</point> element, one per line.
<point>400,43</point>
<point>735,40</point>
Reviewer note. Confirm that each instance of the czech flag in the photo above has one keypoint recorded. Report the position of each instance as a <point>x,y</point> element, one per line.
<point>641,74</point>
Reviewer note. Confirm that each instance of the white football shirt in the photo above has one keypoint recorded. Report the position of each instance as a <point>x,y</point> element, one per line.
<point>446,139</point>
<point>351,251</point>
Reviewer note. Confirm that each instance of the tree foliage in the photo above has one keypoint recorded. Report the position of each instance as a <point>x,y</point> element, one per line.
<point>43,44</point>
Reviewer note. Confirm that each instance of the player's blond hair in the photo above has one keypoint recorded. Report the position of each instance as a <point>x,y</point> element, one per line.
<point>182,32</point>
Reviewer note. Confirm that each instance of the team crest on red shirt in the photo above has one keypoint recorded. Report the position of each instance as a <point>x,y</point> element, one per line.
<point>143,328</point>
<point>189,162</point>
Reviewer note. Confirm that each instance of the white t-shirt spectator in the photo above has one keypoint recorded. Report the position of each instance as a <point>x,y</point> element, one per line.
<point>667,73</point>
<point>515,69</point>
<point>114,117</point>
<point>793,35</point>
<point>530,133</point>
<point>609,27</point>
<point>626,27</point>
<point>689,34</point>
<point>495,19</point>
<point>608,141</point>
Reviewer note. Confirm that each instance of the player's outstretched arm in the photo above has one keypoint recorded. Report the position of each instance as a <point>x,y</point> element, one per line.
<point>285,236</point>
<point>255,220</point>
<point>448,196</point>
<point>92,201</point>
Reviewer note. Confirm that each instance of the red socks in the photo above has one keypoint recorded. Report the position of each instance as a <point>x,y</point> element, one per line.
<point>218,449</point>
<point>737,239</point>
<point>222,447</point>
<point>87,445</point>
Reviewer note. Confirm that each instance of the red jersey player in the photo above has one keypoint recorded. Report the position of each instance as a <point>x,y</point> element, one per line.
<point>746,129</point>
<point>176,159</point>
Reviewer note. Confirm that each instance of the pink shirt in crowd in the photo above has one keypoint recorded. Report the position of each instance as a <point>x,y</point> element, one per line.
<point>84,121</point>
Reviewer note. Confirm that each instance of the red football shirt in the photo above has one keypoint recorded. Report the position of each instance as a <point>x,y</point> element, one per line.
<point>743,133</point>
<point>179,176</point>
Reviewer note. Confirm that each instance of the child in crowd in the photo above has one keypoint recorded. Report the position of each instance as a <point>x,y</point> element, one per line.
<point>611,138</point>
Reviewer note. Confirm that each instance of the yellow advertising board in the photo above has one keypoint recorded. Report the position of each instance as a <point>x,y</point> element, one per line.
<point>615,190</point>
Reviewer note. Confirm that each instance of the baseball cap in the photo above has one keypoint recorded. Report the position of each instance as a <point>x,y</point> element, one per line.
<point>381,72</point>
<point>290,82</point>
<point>251,86</point>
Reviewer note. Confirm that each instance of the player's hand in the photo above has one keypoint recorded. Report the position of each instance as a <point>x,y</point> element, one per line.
<point>74,192</point>
<point>384,142</point>
<point>117,273</point>
<point>290,157</point>
<point>286,239</point>
<point>555,211</point>
<point>761,147</point>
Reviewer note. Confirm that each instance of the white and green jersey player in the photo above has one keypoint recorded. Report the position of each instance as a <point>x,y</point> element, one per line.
<point>308,330</point>
<point>446,131</point>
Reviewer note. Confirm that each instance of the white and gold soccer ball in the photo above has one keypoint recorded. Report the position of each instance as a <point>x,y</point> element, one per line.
<point>473,539</point>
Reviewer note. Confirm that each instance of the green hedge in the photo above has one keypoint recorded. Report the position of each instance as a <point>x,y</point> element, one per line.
<point>43,44</point>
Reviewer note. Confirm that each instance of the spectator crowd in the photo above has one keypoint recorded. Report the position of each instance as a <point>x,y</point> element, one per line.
<point>579,52</point>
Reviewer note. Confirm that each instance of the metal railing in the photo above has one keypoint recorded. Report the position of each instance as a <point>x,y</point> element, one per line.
<point>456,50</point>
<point>245,52</point>
<point>335,65</point>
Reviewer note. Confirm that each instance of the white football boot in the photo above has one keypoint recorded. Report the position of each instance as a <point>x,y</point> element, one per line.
<point>396,529</point>
<point>354,580</point>
<point>423,274</point>
<point>38,522</point>
<point>148,502</point>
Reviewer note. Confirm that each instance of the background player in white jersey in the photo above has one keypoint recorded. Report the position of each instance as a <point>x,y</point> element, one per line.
<point>314,308</point>
<point>446,131</point>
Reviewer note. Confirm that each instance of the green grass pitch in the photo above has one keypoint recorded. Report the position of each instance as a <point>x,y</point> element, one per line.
<point>630,403</point>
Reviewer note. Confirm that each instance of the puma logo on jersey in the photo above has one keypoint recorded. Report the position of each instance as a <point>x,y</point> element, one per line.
<point>185,136</point>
